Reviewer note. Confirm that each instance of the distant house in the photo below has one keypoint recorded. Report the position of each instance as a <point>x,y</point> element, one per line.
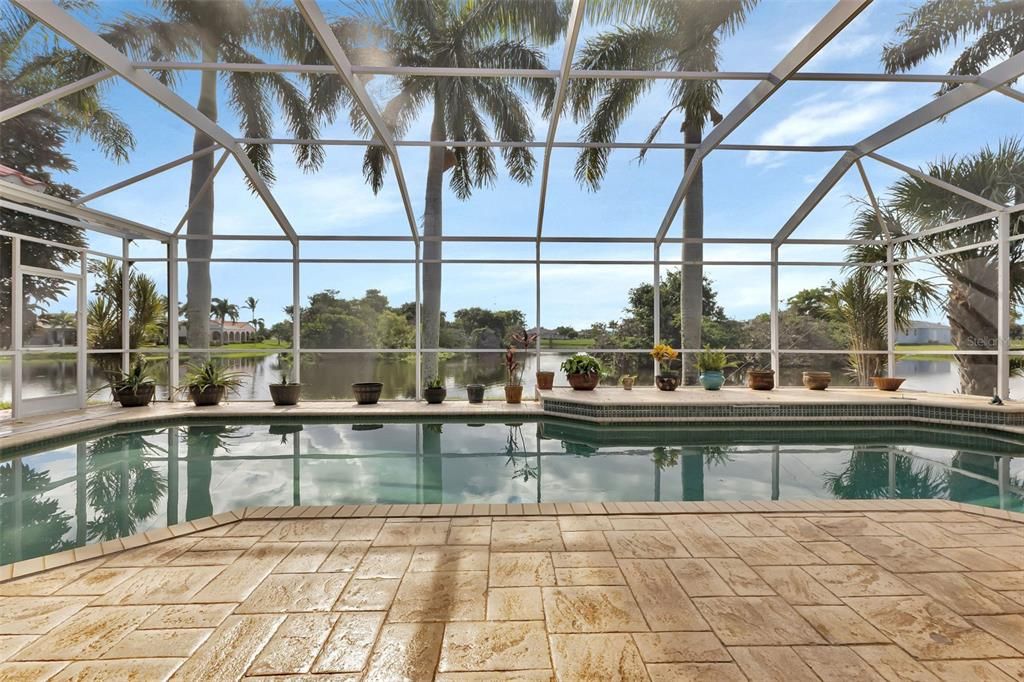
<point>47,333</point>
<point>233,332</point>
<point>922,332</point>
<point>546,333</point>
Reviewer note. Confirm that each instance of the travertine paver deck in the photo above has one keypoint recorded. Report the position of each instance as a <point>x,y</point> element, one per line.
<point>778,595</point>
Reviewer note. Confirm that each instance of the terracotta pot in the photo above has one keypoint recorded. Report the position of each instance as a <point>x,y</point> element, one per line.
<point>817,381</point>
<point>475,393</point>
<point>367,392</point>
<point>140,397</point>
<point>584,382</point>
<point>667,382</point>
<point>285,394</point>
<point>209,396</point>
<point>545,380</point>
<point>435,396</point>
<point>514,394</point>
<point>888,383</point>
<point>761,379</point>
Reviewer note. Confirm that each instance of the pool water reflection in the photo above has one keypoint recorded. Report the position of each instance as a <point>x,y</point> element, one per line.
<point>113,485</point>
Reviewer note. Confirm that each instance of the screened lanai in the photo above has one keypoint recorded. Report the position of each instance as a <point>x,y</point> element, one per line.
<point>836,212</point>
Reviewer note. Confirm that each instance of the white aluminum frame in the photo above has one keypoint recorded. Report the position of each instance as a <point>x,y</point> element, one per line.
<point>76,214</point>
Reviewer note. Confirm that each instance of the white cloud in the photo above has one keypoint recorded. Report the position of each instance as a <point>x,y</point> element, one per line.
<point>817,120</point>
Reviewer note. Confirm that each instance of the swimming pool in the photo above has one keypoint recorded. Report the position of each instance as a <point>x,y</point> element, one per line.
<point>107,485</point>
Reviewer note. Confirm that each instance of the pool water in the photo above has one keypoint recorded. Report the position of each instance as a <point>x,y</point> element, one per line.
<point>105,486</point>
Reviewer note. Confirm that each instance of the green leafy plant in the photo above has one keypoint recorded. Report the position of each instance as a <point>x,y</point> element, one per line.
<point>435,382</point>
<point>135,379</point>
<point>626,378</point>
<point>582,363</point>
<point>200,377</point>
<point>713,360</point>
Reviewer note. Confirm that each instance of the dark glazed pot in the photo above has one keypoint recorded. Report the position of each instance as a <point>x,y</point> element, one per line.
<point>475,392</point>
<point>285,394</point>
<point>140,397</point>
<point>212,395</point>
<point>583,382</point>
<point>667,382</point>
<point>545,380</point>
<point>435,396</point>
<point>367,392</point>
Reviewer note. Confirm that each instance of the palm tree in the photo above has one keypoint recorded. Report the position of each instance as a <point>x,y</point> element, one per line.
<point>989,30</point>
<point>250,305</point>
<point>223,31</point>
<point>449,33</point>
<point>30,65</point>
<point>972,299</point>
<point>222,309</point>
<point>659,35</point>
<point>147,309</point>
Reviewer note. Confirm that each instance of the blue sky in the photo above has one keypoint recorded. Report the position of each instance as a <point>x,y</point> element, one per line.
<point>746,194</point>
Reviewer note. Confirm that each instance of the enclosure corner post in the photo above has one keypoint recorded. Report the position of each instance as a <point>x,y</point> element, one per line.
<point>1003,297</point>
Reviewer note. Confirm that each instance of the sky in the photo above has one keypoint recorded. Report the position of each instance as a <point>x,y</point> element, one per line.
<point>747,194</point>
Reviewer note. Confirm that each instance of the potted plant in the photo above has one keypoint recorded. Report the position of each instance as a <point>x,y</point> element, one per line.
<point>286,392</point>
<point>627,381</point>
<point>667,378</point>
<point>524,340</point>
<point>367,392</point>
<point>134,388</point>
<point>475,393</point>
<point>435,392</point>
<point>817,381</point>
<point>888,383</point>
<point>712,363</point>
<point>208,383</point>
<point>583,371</point>
<point>761,379</point>
<point>514,377</point>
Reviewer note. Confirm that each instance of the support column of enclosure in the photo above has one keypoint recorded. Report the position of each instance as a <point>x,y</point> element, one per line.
<point>536,290</point>
<point>172,318</point>
<point>17,324</point>
<point>296,317</point>
<point>125,301</point>
<point>82,329</point>
<point>419,321</point>
<point>774,316</point>
<point>1003,319</point>
<point>657,305</point>
<point>890,311</point>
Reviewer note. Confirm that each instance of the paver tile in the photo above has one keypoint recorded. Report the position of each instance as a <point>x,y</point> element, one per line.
<point>695,672</point>
<point>680,647</point>
<point>756,621</point>
<point>231,649</point>
<point>772,552</point>
<point>151,670</point>
<point>837,663</point>
<point>175,643</point>
<point>161,585</point>
<point>841,625</point>
<point>440,597</point>
<point>348,647</point>
<point>860,581</point>
<point>644,544</point>
<point>494,646</point>
<point>696,537</point>
<point>976,671</point>
<point>188,616</point>
<point>584,540</point>
<point>741,578</point>
<point>664,603</point>
<point>900,554</point>
<point>521,569</point>
<point>611,657</point>
<point>295,593</point>
<point>796,586</point>
<point>373,594</point>
<point>406,534</point>
<point>592,609</point>
<point>698,578</point>
<point>37,615</point>
<point>772,664</point>
<point>836,553</point>
<point>894,664</point>
<point>514,603</point>
<point>295,644</point>
<point>526,536</point>
<point>1009,628</point>
<point>927,629</point>
<point>405,651</point>
<point>90,633</point>
<point>963,596</point>
<point>449,558</point>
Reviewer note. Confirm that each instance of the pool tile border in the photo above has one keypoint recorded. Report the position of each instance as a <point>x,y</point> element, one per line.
<point>415,512</point>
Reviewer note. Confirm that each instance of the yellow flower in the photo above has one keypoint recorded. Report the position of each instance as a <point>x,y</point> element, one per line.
<point>663,352</point>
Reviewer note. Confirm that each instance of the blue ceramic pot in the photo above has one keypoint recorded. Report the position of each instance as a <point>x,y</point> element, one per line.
<point>712,380</point>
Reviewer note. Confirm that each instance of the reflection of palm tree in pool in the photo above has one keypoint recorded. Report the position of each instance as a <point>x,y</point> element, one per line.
<point>693,460</point>
<point>202,443</point>
<point>663,458</point>
<point>866,477</point>
<point>432,477</point>
<point>30,525</point>
<point>123,488</point>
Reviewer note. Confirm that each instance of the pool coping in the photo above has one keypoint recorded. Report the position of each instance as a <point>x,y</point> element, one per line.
<point>414,512</point>
<point>603,406</point>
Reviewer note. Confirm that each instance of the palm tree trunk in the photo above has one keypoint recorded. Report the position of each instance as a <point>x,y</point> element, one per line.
<point>973,312</point>
<point>432,229</point>
<point>692,280</point>
<point>200,221</point>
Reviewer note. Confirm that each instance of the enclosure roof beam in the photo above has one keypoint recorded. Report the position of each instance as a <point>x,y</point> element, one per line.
<point>817,38</point>
<point>343,67</point>
<point>98,220</point>
<point>508,144</point>
<point>1010,92</point>
<point>54,95</point>
<point>574,74</point>
<point>142,176</point>
<point>942,105</point>
<point>572,34</point>
<point>77,33</point>
<point>932,180</point>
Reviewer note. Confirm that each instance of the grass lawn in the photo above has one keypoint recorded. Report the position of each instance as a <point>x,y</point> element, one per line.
<point>567,343</point>
<point>909,351</point>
